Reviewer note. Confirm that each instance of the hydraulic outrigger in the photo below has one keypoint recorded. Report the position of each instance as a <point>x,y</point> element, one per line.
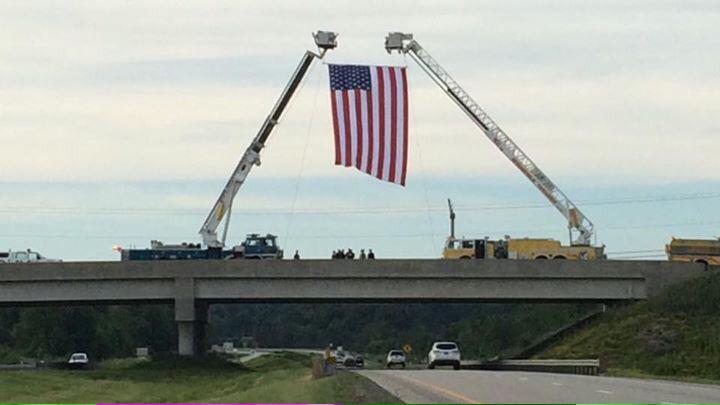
<point>404,43</point>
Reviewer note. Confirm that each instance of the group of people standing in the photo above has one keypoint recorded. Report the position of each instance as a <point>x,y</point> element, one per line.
<point>342,254</point>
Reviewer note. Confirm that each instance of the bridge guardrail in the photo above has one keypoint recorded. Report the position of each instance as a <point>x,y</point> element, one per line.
<point>564,366</point>
<point>19,367</point>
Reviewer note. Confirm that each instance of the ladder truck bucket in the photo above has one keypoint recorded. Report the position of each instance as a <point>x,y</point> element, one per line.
<point>325,39</point>
<point>395,41</point>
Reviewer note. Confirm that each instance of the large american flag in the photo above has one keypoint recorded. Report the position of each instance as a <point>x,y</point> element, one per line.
<point>370,119</point>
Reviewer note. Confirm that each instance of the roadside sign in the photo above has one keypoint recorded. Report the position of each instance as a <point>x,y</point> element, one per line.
<point>407,348</point>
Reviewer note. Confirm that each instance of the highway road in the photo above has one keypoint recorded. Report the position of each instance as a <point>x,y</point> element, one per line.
<point>251,356</point>
<point>471,386</point>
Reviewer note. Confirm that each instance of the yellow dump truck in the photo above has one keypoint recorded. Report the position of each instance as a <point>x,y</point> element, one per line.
<point>526,248</point>
<point>705,251</point>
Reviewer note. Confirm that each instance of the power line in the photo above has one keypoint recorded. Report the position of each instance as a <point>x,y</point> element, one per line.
<point>666,225</point>
<point>127,237</point>
<point>369,236</point>
<point>69,210</point>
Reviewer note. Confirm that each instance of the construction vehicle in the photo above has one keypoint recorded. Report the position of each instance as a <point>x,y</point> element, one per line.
<point>525,248</point>
<point>705,251</point>
<point>214,246</point>
<point>580,228</point>
<point>24,256</point>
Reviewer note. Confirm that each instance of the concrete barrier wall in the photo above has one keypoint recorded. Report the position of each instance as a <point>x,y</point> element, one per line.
<point>581,366</point>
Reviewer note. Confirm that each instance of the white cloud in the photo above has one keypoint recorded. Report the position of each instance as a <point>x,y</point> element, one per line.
<point>121,91</point>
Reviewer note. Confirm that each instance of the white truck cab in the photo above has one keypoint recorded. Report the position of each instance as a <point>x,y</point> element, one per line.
<point>24,256</point>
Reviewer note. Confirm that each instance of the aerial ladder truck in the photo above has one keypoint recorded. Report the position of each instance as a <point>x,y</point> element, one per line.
<point>580,228</point>
<point>255,246</point>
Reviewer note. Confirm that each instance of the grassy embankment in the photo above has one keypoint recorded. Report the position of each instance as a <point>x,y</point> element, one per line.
<point>283,377</point>
<point>674,335</point>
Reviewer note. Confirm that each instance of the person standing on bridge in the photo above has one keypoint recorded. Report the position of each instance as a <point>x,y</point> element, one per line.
<point>297,255</point>
<point>350,254</point>
<point>363,256</point>
<point>371,255</point>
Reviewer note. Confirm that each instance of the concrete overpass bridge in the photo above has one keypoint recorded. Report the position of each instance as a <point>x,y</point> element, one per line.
<point>193,285</point>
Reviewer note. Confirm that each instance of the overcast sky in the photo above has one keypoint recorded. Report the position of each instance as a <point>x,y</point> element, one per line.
<point>149,105</point>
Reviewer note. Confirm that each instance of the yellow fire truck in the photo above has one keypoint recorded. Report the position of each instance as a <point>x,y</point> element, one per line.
<point>705,251</point>
<point>508,248</point>
<point>580,228</point>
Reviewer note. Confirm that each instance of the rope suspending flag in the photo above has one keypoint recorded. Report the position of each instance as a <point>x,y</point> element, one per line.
<point>370,119</point>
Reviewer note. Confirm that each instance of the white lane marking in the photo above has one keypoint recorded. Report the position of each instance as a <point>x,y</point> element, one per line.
<point>668,402</point>
<point>604,392</point>
<point>557,384</point>
<point>523,379</point>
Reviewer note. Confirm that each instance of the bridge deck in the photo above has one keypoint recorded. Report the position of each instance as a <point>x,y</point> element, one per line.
<point>192,285</point>
<point>338,280</point>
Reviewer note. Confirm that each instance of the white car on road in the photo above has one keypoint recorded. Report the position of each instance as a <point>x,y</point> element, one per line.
<point>395,357</point>
<point>444,354</point>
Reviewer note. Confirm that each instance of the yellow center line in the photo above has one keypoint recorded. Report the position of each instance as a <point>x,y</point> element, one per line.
<point>441,390</point>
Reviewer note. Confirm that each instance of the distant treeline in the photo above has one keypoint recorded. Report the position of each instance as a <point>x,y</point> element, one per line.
<point>483,331</point>
<point>101,331</point>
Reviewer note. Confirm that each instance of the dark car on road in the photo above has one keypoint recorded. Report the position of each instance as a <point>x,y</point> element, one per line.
<point>349,361</point>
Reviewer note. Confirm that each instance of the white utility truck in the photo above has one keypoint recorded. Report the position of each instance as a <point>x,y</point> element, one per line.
<point>24,256</point>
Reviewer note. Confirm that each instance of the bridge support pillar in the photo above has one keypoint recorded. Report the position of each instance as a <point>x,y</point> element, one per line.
<point>186,338</point>
<point>191,318</point>
<point>201,323</point>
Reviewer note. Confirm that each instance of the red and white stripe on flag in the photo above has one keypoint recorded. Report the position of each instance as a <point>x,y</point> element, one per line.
<point>370,119</point>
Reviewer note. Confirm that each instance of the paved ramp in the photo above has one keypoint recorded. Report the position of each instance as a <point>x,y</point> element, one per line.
<point>465,386</point>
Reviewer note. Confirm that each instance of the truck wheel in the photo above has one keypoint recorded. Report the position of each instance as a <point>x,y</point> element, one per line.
<point>456,366</point>
<point>403,365</point>
<point>465,257</point>
<point>559,258</point>
<point>541,258</point>
<point>431,366</point>
<point>389,365</point>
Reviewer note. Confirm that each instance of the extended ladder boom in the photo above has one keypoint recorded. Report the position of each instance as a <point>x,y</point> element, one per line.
<point>401,42</point>
<point>324,40</point>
